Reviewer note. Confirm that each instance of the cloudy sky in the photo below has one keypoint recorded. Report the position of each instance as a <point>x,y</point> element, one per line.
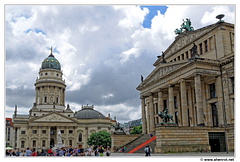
<point>103,50</point>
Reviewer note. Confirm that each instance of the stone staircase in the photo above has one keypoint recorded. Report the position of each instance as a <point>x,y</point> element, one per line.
<point>139,141</point>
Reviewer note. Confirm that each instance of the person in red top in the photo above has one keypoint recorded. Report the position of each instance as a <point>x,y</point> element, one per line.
<point>34,152</point>
<point>50,153</point>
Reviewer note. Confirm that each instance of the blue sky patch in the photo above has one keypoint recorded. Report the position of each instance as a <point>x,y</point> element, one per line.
<point>152,12</point>
<point>36,31</point>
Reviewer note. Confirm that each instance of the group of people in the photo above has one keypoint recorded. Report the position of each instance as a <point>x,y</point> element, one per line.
<point>64,151</point>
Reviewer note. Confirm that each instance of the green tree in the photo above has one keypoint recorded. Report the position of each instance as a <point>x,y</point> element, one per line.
<point>137,130</point>
<point>100,138</point>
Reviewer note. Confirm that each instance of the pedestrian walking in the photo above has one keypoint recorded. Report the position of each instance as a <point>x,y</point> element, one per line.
<point>147,150</point>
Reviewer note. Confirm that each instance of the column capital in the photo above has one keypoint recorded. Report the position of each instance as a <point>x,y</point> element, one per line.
<point>160,90</point>
<point>142,97</point>
<point>197,74</point>
<point>181,80</point>
<point>149,94</point>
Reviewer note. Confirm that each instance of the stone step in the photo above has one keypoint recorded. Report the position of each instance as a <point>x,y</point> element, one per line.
<point>142,139</point>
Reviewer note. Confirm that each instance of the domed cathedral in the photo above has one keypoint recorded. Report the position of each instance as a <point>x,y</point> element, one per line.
<point>50,117</point>
<point>50,88</point>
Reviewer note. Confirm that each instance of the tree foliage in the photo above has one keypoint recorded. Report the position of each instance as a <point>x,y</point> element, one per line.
<point>137,130</point>
<point>100,138</point>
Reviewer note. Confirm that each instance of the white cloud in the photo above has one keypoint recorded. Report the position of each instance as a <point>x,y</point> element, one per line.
<point>125,55</point>
<point>209,17</point>
<point>107,96</point>
<point>78,81</point>
<point>133,16</point>
<point>88,28</point>
<point>121,111</point>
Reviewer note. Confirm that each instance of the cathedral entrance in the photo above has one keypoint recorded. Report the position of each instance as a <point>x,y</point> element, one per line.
<point>52,144</point>
<point>53,134</point>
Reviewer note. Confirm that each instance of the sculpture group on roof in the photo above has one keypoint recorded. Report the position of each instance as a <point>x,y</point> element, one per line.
<point>186,26</point>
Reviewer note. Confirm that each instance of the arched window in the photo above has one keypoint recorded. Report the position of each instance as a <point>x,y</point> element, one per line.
<point>57,100</point>
<point>80,137</point>
<point>45,99</point>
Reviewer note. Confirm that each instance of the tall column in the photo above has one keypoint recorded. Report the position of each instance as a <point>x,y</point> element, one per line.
<point>41,95</point>
<point>36,97</point>
<point>151,114</point>
<point>38,143</point>
<point>179,117</point>
<point>199,104</point>
<point>160,101</point>
<point>204,99</point>
<point>190,104</point>
<point>171,100</point>
<point>18,137</point>
<point>63,97</point>
<point>184,106</point>
<point>219,94</point>
<point>49,136</point>
<point>144,124</point>
<point>48,95</point>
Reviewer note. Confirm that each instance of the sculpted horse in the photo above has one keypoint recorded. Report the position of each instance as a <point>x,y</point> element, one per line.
<point>118,128</point>
<point>165,117</point>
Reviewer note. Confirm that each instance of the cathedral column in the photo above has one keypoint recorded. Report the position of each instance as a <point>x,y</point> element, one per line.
<point>184,106</point>
<point>67,133</point>
<point>36,97</point>
<point>49,137</point>
<point>151,114</point>
<point>144,131</point>
<point>38,142</point>
<point>41,96</point>
<point>55,95</point>
<point>63,96</point>
<point>171,100</point>
<point>48,95</point>
<point>199,103</point>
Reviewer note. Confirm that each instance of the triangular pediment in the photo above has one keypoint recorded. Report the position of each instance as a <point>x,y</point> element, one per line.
<point>53,117</point>
<point>163,70</point>
<point>187,38</point>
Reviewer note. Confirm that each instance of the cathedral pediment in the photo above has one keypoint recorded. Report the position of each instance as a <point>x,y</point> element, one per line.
<point>53,117</point>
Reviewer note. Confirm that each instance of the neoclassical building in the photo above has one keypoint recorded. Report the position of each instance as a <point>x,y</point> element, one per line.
<point>197,88</point>
<point>49,114</point>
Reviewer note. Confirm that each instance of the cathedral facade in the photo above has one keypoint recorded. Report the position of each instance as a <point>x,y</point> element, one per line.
<point>194,81</point>
<point>49,115</point>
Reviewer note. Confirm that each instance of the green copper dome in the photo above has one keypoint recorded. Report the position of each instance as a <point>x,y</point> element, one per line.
<point>51,63</point>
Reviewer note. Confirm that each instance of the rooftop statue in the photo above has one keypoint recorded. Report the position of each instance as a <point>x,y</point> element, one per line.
<point>186,26</point>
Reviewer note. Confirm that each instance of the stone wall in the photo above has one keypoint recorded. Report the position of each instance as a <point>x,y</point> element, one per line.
<point>187,139</point>
<point>119,140</point>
